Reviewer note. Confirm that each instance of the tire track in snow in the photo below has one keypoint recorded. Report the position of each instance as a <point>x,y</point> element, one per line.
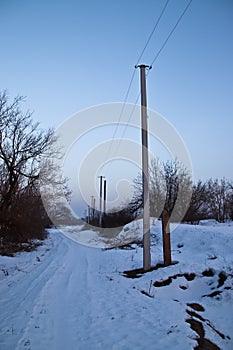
<point>39,302</point>
<point>60,314</point>
<point>20,294</point>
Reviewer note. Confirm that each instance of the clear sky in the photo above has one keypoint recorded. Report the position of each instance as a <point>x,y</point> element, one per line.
<point>68,55</point>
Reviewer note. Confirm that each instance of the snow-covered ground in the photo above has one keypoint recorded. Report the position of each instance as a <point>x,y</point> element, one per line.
<point>70,296</point>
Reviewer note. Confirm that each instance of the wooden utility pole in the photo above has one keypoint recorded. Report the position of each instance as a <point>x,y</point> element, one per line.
<point>145,172</point>
<point>166,237</point>
<point>100,207</point>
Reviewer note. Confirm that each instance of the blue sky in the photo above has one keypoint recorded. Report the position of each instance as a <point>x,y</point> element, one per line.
<point>69,55</point>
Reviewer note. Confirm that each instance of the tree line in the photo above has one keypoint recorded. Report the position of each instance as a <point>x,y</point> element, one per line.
<point>172,190</point>
<point>211,199</point>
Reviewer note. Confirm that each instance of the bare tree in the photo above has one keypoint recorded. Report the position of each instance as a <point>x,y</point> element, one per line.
<point>170,188</point>
<point>22,146</point>
<point>219,198</point>
<point>230,200</point>
<point>199,204</point>
<point>158,188</point>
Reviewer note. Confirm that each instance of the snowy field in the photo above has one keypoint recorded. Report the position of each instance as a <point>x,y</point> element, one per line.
<point>70,296</point>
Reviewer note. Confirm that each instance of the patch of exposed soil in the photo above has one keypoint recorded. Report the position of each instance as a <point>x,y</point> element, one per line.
<point>208,273</point>
<point>189,276</point>
<point>197,322</point>
<point>197,327</point>
<point>196,307</point>
<point>183,287</point>
<point>136,273</point>
<point>206,344</point>
<point>166,282</point>
<point>194,314</point>
<point>213,294</point>
<point>203,343</point>
<point>163,283</point>
<point>221,278</point>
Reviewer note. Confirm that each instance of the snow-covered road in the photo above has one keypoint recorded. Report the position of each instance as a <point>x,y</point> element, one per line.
<point>68,296</point>
<point>60,300</point>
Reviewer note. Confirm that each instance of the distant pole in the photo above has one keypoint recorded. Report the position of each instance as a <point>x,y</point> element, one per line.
<point>85,215</point>
<point>145,171</point>
<point>88,215</point>
<point>100,207</point>
<point>105,195</point>
<point>92,211</point>
<point>94,208</point>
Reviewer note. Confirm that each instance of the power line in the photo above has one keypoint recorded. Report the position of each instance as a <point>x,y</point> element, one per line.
<point>155,58</point>
<point>120,116</point>
<point>132,78</point>
<point>140,56</point>
<point>130,116</point>
<point>153,30</point>
<point>171,32</point>
<point>124,103</point>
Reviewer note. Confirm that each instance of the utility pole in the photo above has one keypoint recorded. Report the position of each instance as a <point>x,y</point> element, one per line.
<point>92,210</point>
<point>166,237</point>
<point>100,208</point>
<point>85,215</point>
<point>88,214</point>
<point>105,195</point>
<point>145,172</point>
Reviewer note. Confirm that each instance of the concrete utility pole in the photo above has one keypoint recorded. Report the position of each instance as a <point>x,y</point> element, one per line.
<point>100,208</point>
<point>145,172</point>
<point>105,195</point>
<point>92,208</point>
<point>88,214</point>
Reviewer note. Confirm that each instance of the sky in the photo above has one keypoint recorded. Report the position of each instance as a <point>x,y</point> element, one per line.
<point>66,56</point>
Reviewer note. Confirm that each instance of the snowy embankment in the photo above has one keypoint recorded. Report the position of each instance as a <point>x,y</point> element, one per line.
<point>68,296</point>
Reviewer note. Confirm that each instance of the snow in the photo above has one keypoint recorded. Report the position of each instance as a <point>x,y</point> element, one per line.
<point>94,238</point>
<point>73,296</point>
